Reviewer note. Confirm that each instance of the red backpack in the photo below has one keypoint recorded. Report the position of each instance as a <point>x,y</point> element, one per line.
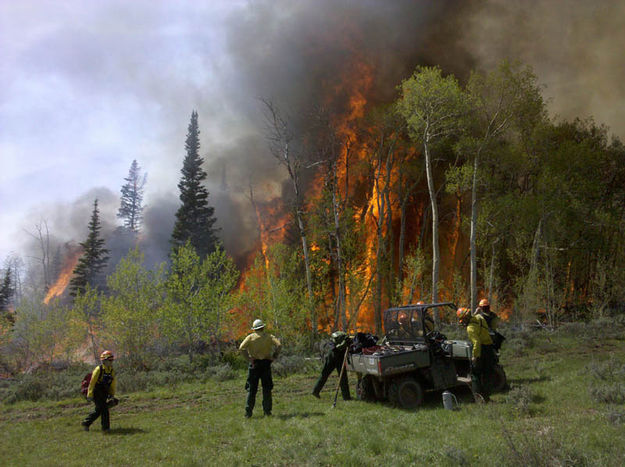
<point>84,386</point>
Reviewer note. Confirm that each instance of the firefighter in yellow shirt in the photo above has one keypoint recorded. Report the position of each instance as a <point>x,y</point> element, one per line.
<point>101,389</point>
<point>483,357</point>
<point>259,348</point>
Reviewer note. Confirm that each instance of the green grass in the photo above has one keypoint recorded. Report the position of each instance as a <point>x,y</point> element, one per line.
<point>551,416</point>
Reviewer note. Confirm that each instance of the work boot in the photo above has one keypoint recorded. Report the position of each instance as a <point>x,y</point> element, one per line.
<point>106,431</point>
<point>85,426</point>
<point>316,394</point>
<point>248,414</point>
<point>267,414</point>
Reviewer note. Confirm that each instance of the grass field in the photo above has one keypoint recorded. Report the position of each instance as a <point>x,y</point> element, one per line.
<point>565,406</point>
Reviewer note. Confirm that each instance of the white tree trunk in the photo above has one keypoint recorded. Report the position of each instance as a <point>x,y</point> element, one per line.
<point>434,205</point>
<point>472,238</point>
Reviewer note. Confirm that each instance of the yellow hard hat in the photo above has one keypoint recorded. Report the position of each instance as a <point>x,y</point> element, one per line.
<point>484,302</point>
<point>107,355</point>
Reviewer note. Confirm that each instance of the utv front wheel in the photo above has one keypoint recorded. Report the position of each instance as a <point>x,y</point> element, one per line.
<point>406,393</point>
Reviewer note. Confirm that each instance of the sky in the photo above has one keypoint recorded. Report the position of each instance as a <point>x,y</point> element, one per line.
<point>89,86</point>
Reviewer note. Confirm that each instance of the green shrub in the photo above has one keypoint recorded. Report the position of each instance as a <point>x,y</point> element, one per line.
<point>616,416</point>
<point>456,456</point>
<point>234,358</point>
<point>540,448</point>
<point>289,364</point>
<point>520,399</point>
<point>608,393</point>
<point>608,370</point>
<point>222,372</point>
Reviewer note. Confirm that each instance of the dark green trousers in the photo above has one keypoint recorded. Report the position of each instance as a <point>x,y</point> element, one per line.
<point>483,372</point>
<point>101,410</point>
<point>334,360</point>
<point>260,370</point>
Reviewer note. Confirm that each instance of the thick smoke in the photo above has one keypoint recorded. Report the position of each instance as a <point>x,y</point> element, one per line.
<point>302,56</point>
<point>574,46</point>
<point>295,54</point>
<point>299,55</point>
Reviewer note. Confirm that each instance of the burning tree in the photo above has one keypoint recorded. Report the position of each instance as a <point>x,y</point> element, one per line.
<point>280,138</point>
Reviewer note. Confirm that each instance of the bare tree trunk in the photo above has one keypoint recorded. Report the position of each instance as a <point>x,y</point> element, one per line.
<point>377,305</point>
<point>492,271</point>
<point>390,250</point>
<point>434,206</point>
<point>402,230</point>
<point>94,349</point>
<point>472,238</point>
<point>302,232</point>
<point>280,139</point>
<point>339,256</point>
<point>43,238</point>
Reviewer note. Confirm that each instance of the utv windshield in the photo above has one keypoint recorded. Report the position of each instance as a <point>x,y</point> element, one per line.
<point>411,322</point>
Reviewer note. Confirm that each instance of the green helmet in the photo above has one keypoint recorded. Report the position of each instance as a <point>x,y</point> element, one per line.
<point>339,338</point>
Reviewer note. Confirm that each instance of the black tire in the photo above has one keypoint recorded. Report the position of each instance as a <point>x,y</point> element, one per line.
<point>500,381</point>
<point>364,389</point>
<point>407,393</point>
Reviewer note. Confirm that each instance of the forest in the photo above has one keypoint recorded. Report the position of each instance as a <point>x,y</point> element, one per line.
<point>453,190</point>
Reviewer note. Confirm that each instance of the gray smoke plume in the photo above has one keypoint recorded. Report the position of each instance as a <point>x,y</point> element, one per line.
<point>302,55</point>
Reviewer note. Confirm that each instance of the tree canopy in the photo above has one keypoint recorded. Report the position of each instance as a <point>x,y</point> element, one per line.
<point>195,217</point>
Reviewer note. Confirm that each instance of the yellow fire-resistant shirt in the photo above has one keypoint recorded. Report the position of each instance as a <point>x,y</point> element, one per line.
<point>260,345</point>
<point>95,376</point>
<point>478,334</point>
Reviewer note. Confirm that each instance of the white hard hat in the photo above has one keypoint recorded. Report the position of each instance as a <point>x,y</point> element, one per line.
<point>257,324</point>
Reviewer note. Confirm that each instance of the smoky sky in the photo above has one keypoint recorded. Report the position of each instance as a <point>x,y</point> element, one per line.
<point>92,86</point>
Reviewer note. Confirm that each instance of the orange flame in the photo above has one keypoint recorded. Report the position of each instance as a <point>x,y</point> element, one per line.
<point>65,276</point>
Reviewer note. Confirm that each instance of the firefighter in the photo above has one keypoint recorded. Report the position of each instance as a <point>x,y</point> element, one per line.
<point>102,392</point>
<point>259,348</point>
<point>483,357</point>
<point>335,357</point>
<point>491,318</point>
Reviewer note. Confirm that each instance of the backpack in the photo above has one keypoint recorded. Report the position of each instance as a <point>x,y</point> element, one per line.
<point>363,340</point>
<point>84,385</point>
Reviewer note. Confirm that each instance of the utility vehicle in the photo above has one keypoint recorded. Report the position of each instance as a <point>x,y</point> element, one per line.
<point>413,357</point>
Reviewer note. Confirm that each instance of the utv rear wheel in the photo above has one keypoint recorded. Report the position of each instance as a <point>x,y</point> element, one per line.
<point>499,381</point>
<point>406,393</point>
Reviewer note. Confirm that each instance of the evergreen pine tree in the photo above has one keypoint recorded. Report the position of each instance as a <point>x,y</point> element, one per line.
<point>194,218</point>
<point>93,259</point>
<point>131,208</point>
<point>6,291</point>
